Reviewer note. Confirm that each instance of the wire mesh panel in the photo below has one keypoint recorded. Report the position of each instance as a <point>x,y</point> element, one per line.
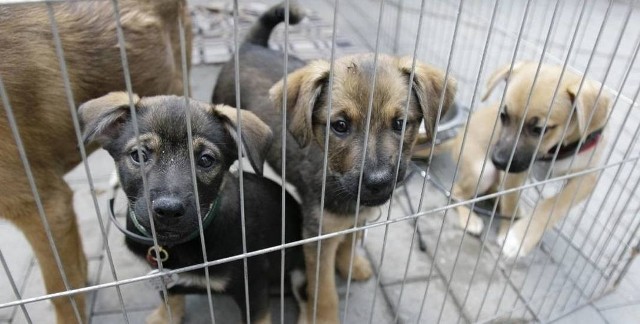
<point>425,266</point>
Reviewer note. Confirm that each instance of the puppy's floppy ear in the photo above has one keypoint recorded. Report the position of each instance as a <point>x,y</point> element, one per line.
<point>499,75</point>
<point>428,85</point>
<point>102,118</point>
<point>303,88</point>
<point>586,105</point>
<point>256,135</point>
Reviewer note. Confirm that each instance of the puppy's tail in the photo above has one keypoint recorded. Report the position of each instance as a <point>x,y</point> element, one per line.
<point>261,30</point>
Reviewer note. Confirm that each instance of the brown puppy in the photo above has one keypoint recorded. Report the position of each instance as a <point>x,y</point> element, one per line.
<point>307,105</point>
<point>31,75</point>
<point>511,116</point>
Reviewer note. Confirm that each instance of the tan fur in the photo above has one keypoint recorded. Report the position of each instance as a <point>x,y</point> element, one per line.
<point>264,319</point>
<point>161,316</point>
<point>31,75</point>
<point>479,132</point>
<point>327,296</point>
<point>361,268</point>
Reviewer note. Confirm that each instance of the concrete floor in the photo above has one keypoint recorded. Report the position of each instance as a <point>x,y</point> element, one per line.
<point>442,258</point>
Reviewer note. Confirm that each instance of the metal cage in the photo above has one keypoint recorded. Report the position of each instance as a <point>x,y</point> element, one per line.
<point>425,269</point>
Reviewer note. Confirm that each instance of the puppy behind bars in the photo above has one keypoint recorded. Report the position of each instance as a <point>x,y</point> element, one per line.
<point>33,81</point>
<point>164,156</point>
<point>261,74</point>
<point>575,107</point>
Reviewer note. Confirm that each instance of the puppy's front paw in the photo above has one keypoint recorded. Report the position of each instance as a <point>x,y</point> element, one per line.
<point>511,246</point>
<point>361,268</point>
<point>475,225</point>
<point>160,316</point>
<point>516,243</point>
<point>500,238</point>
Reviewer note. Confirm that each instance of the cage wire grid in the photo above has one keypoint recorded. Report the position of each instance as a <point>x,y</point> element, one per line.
<point>581,259</point>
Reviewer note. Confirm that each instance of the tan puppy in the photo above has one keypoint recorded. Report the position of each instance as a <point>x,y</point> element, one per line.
<point>31,75</point>
<point>511,116</point>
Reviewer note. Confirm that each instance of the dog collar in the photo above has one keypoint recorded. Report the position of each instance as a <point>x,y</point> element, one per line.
<point>146,237</point>
<point>566,151</point>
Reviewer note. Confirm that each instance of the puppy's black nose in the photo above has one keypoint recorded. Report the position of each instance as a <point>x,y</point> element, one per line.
<point>168,207</point>
<point>377,180</point>
<point>520,163</point>
<point>500,161</point>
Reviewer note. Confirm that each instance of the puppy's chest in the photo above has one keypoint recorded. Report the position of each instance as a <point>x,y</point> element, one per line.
<point>336,222</point>
<point>218,283</point>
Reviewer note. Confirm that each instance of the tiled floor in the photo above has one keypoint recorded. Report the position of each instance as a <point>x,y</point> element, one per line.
<point>505,290</point>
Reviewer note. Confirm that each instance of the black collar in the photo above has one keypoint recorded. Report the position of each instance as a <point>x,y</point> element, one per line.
<point>570,149</point>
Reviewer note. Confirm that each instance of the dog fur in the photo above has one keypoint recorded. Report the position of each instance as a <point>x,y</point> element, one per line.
<point>31,75</point>
<point>511,116</point>
<point>306,106</point>
<point>164,145</point>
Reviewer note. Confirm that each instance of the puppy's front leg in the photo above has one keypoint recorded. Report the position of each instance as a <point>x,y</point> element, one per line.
<point>509,202</point>
<point>547,215</point>
<point>464,189</point>
<point>361,266</point>
<point>160,314</point>
<point>64,229</point>
<point>327,303</point>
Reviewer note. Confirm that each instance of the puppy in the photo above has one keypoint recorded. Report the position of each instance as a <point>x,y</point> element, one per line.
<point>307,102</point>
<point>511,115</point>
<point>30,72</point>
<point>165,158</point>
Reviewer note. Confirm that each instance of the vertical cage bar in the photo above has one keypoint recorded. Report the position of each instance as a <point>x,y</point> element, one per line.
<point>396,39</point>
<point>36,195</point>
<point>487,43</point>
<point>364,154</point>
<point>283,152</point>
<point>136,132</point>
<point>433,142</point>
<point>397,169</point>
<point>83,154</point>
<point>325,159</point>
<point>192,165</point>
<point>502,100</point>
<point>635,250</point>
<point>240,167</point>
<point>14,287</point>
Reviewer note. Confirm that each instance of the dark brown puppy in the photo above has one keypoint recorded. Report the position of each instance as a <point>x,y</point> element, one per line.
<point>31,75</point>
<point>164,144</point>
<point>307,103</point>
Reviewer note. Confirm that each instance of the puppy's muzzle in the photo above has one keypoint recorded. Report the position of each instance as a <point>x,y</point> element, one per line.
<point>168,208</point>
<point>519,163</point>
<point>377,186</point>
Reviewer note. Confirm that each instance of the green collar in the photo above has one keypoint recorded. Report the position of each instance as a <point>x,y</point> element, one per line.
<point>214,208</point>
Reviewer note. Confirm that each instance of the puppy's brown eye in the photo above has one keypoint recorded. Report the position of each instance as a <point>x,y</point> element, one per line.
<point>206,161</point>
<point>503,117</point>
<point>136,158</point>
<point>536,130</point>
<point>397,124</point>
<point>340,127</point>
